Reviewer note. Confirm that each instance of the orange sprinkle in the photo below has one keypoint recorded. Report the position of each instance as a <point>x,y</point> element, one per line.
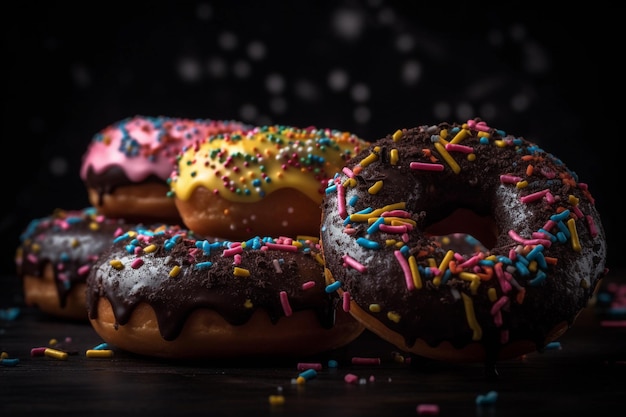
<point>529,170</point>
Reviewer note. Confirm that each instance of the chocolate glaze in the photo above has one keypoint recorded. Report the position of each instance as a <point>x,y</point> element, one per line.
<point>70,240</point>
<point>112,178</point>
<point>215,287</point>
<point>536,297</point>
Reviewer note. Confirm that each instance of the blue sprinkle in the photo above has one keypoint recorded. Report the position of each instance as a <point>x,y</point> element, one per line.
<point>353,200</point>
<point>333,287</point>
<point>375,226</point>
<point>522,269</point>
<point>203,265</point>
<point>308,374</point>
<point>560,216</point>
<point>331,189</point>
<point>101,346</point>
<point>9,362</point>
<point>366,243</point>
<point>487,399</point>
<point>539,278</point>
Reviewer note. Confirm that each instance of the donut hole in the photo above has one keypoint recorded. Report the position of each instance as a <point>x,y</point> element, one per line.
<point>461,222</point>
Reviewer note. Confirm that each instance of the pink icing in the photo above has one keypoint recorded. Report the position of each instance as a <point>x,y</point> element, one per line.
<point>145,146</point>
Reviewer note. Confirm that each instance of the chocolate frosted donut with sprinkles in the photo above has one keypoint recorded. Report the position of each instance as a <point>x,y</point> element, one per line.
<point>54,257</point>
<point>127,164</point>
<point>536,249</point>
<point>167,293</point>
<point>267,181</point>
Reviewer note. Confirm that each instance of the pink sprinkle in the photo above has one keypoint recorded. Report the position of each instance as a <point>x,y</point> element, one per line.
<point>482,126</point>
<point>349,230</point>
<point>497,318</point>
<point>38,351</point>
<point>423,166</point>
<point>534,196</point>
<point>613,323</point>
<point>83,270</point>
<point>237,260</point>
<point>459,148</point>
<point>408,277</point>
<point>351,378</point>
<point>354,264</point>
<point>365,361</point>
<point>392,229</point>
<point>303,366</point>
<point>592,226</point>
<point>136,263</point>
<point>428,409</point>
<point>341,201</point>
<point>579,214</point>
<point>32,258</point>
<point>396,213</point>
<point>346,301</point>
<point>308,284</point>
<point>472,261</point>
<point>348,172</point>
<point>504,283</point>
<point>287,248</point>
<point>549,225</point>
<point>285,303</point>
<point>232,251</point>
<point>509,179</point>
<point>497,306</point>
<point>550,198</point>
<point>545,242</point>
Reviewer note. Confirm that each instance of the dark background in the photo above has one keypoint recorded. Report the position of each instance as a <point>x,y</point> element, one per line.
<point>369,67</point>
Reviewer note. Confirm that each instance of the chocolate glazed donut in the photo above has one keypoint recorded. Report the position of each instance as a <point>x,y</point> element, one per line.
<point>540,247</point>
<point>166,293</point>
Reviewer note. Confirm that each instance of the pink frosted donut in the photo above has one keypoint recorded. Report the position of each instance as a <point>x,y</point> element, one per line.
<point>127,164</point>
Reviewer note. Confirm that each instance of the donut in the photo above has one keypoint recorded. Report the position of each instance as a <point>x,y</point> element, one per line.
<point>55,254</point>
<point>267,181</point>
<point>537,247</point>
<point>164,292</point>
<point>127,165</point>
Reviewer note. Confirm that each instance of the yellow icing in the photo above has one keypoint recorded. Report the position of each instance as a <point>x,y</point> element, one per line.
<point>245,166</point>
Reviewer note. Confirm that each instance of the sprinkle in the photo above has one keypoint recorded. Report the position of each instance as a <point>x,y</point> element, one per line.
<point>56,354</point>
<point>203,265</point>
<point>397,135</point>
<point>406,269</point>
<point>301,366</point>
<point>284,301</point>
<point>9,361</point>
<point>354,264</point>
<point>278,246</point>
<point>459,148</point>
<point>330,288</point>
<point>241,272</point>
<point>393,157</point>
<point>308,374</point>
<point>471,317</point>
<point>117,264</point>
<point>351,378</point>
<point>101,346</point>
<point>487,399</point>
<point>365,361</point>
<point>427,409</point>
<point>423,166</point>
<point>99,353</point>
<point>341,201</point>
<point>346,301</point>
<point>174,271</point>
<point>534,196</point>
<point>38,351</point>
<point>509,179</point>
<point>448,158</point>
<point>571,226</point>
<point>374,189</point>
<point>277,399</point>
<point>307,285</point>
<point>366,243</point>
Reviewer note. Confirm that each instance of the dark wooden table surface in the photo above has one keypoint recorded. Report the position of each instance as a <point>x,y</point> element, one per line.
<point>584,376</point>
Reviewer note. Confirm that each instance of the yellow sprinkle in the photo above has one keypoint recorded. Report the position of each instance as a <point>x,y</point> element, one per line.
<point>460,136</point>
<point>314,239</point>
<point>571,225</point>
<point>296,243</point>
<point>584,284</point>
<point>56,354</point>
<point>117,264</point>
<point>431,262</point>
<point>241,272</point>
<point>500,143</point>
<point>277,399</point>
<point>4,355</point>
<point>399,244</point>
<point>248,303</point>
<point>393,316</point>
<point>448,158</point>
<point>471,157</point>
<point>473,278</point>
<point>99,353</point>
<point>150,248</point>
<point>175,271</point>
<point>399,220</point>
<point>374,308</point>
<point>132,233</point>
<point>356,217</point>
<point>532,266</point>
<point>52,342</point>
<point>573,200</point>
<point>415,273</point>
<point>491,293</point>
<point>471,317</point>
<point>300,380</point>
<point>393,156</point>
<point>482,134</point>
<point>370,158</point>
<point>374,189</point>
<point>319,258</point>
<point>443,134</point>
<point>94,226</point>
<point>349,183</point>
<point>443,266</point>
<point>397,135</point>
<point>75,243</point>
<point>390,242</point>
<point>398,358</point>
<point>521,184</point>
